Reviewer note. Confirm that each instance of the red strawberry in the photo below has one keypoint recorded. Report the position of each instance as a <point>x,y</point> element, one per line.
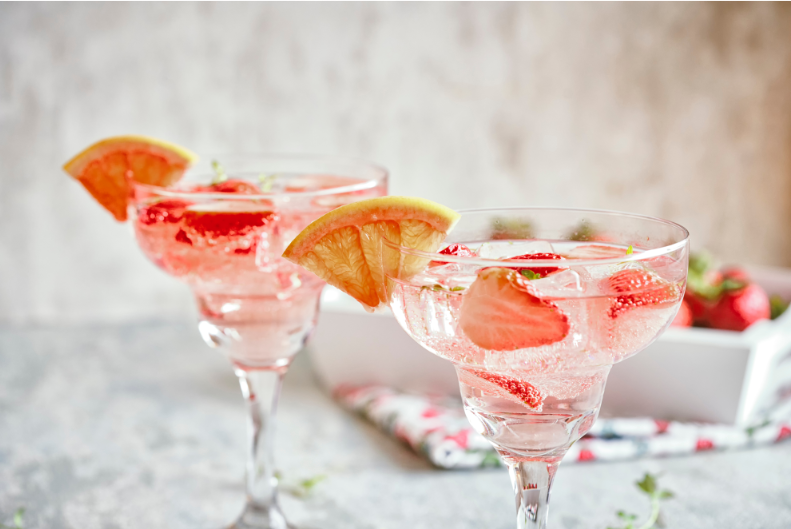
<point>736,274</point>
<point>525,392</point>
<point>639,288</point>
<point>738,309</point>
<point>502,312</point>
<point>181,236</point>
<point>704,444</point>
<point>458,250</point>
<point>240,187</point>
<point>541,271</point>
<point>225,219</point>
<point>596,251</point>
<point>683,316</point>
<point>165,211</point>
<point>699,307</point>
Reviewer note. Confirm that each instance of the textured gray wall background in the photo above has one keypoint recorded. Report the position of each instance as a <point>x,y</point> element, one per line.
<point>677,110</point>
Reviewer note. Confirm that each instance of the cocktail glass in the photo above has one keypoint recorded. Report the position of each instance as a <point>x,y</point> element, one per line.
<point>533,338</point>
<point>225,242</point>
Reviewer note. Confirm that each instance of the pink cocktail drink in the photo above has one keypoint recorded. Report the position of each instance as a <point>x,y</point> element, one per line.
<point>533,320</point>
<point>225,240</point>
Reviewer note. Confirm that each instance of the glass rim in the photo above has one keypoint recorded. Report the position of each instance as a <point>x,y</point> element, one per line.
<point>366,183</point>
<point>520,263</point>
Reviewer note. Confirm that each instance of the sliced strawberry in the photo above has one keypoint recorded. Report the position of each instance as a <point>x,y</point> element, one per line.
<point>458,250</point>
<point>596,251</point>
<point>502,312</point>
<point>240,187</point>
<point>525,392</point>
<point>738,309</point>
<point>181,236</point>
<point>699,307</point>
<point>540,271</point>
<point>683,316</point>
<point>639,288</point>
<point>169,211</point>
<point>227,219</point>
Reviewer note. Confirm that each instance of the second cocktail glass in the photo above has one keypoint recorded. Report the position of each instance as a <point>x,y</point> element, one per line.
<point>222,230</point>
<point>534,306</point>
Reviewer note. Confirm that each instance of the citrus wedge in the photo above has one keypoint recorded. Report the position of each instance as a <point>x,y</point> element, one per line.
<point>104,168</point>
<point>344,247</point>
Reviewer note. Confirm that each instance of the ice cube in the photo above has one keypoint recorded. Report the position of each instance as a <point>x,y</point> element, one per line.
<point>507,249</point>
<point>562,283</point>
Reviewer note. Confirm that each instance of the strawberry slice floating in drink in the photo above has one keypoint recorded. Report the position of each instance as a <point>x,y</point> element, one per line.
<point>169,211</point>
<point>503,312</point>
<point>239,187</point>
<point>639,288</point>
<point>537,272</point>
<point>227,219</point>
<point>503,386</point>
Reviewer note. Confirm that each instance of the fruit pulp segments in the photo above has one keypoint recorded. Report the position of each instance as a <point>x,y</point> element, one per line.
<point>451,309</point>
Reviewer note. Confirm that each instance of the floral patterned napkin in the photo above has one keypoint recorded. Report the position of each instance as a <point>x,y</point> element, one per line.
<point>437,428</point>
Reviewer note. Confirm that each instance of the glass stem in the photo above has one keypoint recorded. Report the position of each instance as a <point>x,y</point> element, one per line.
<point>261,389</point>
<point>531,481</point>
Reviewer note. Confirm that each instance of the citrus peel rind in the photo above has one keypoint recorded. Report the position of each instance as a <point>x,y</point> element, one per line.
<point>106,167</point>
<point>345,248</point>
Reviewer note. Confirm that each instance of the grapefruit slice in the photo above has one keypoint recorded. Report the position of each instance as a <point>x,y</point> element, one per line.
<point>104,168</point>
<point>344,247</point>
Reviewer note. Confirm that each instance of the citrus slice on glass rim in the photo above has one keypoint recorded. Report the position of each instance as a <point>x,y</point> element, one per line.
<point>106,167</point>
<point>344,247</point>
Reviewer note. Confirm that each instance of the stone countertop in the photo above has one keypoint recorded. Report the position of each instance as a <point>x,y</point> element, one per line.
<point>142,426</point>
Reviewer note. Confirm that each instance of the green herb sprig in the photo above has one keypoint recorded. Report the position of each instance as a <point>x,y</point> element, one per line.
<point>18,519</point>
<point>302,488</point>
<point>266,181</point>
<point>650,486</point>
<point>219,173</point>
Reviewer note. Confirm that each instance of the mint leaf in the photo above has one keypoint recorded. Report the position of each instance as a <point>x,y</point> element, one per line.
<point>219,173</point>
<point>18,520</point>
<point>530,274</point>
<point>265,182</point>
<point>648,484</point>
<point>309,483</point>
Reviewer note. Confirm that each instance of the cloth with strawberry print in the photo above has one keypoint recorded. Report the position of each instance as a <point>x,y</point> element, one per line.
<point>437,428</point>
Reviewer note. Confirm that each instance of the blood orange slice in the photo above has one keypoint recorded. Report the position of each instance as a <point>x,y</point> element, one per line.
<point>106,167</point>
<point>344,247</point>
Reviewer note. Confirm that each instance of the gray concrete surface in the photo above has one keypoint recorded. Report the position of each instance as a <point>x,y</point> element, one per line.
<point>681,110</point>
<point>142,426</point>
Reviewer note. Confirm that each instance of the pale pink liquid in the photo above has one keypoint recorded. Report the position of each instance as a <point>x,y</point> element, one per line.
<point>570,374</point>
<point>227,247</point>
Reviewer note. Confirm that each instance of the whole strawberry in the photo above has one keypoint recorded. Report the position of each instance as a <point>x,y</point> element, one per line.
<point>739,308</point>
<point>683,316</point>
<point>699,307</point>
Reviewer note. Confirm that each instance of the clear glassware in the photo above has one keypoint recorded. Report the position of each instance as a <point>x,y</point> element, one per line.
<point>533,340</point>
<point>258,309</point>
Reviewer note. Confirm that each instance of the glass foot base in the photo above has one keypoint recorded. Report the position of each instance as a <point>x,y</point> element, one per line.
<point>258,517</point>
